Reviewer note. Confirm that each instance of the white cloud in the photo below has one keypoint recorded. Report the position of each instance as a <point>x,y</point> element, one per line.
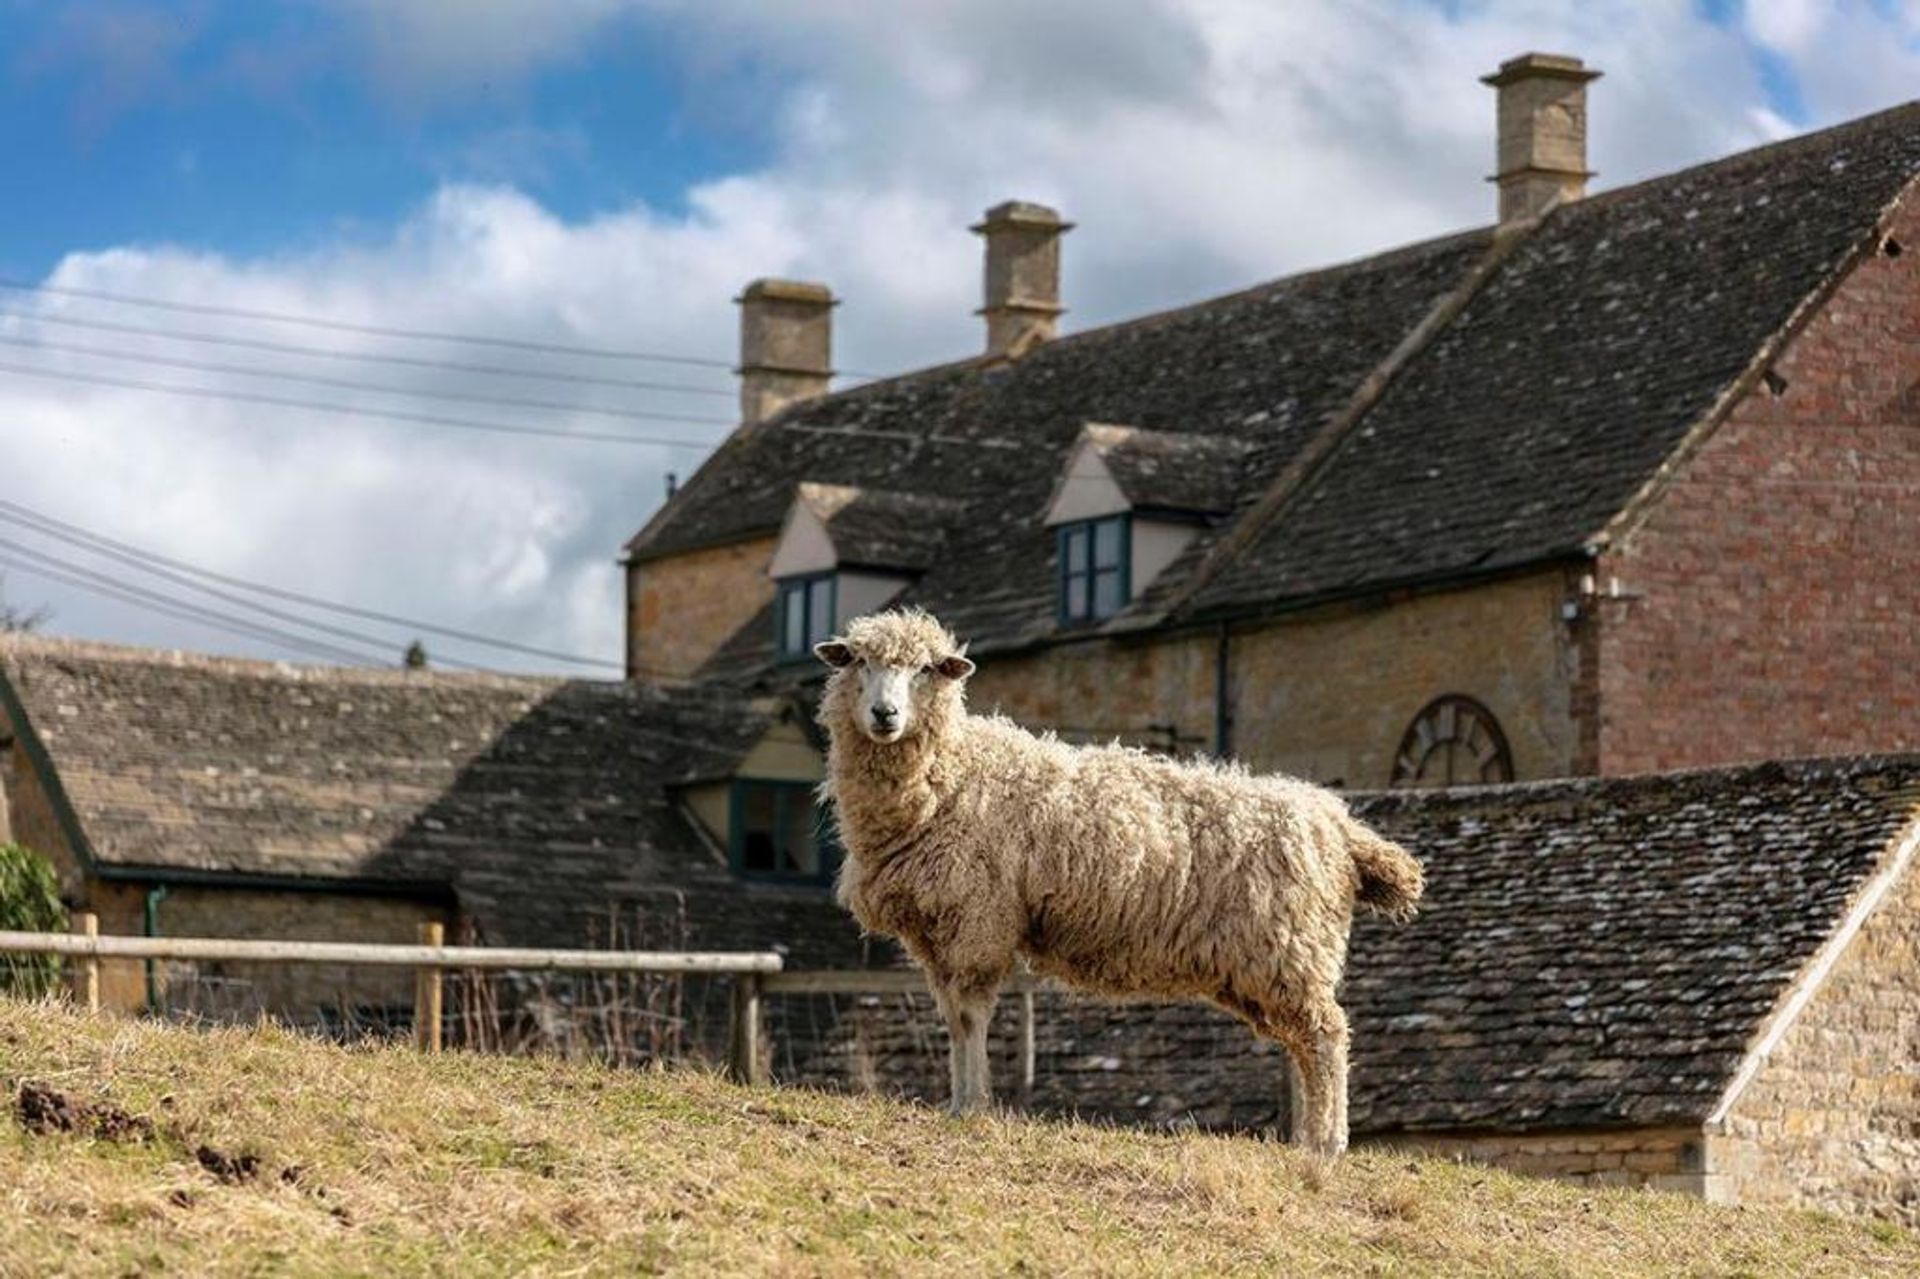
<point>1789,26</point>
<point>1200,145</point>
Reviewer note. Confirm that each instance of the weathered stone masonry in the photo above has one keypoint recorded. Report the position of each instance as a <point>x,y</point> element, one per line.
<point>1832,1117</point>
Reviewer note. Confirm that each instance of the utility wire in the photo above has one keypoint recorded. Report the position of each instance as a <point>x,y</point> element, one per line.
<point>278,401</point>
<point>157,603</point>
<point>181,579</point>
<point>376,330</point>
<point>73,534</point>
<point>345,384</point>
<point>372,357</point>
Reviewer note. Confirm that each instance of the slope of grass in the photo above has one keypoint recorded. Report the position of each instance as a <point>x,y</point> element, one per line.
<point>136,1148</point>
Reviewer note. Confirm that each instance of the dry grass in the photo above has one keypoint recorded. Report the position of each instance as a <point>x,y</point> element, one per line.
<point>273,1153</point>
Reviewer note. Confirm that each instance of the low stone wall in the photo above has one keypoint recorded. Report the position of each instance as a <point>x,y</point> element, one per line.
<point>1158,1065</point>
<point>1658,1158</point>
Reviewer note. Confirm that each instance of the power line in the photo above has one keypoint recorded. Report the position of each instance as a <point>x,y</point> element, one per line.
<point>74,534</point>
<point>346,384</point>
<point>376,330</point>
<point>373,357</point>
<point>181,579</point>
<point>278,401</point>
<point>157,603</point>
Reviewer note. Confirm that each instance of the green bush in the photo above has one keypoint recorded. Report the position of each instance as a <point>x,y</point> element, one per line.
<point>29,902</point>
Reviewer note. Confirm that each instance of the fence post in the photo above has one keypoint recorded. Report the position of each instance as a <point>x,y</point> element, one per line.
<point>427,992</point>
<point>87,924</point>
<point>1027,1048</point>
<point>745,1062</point>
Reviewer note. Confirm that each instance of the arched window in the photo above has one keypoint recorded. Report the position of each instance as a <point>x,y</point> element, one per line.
<point>1453,741</point>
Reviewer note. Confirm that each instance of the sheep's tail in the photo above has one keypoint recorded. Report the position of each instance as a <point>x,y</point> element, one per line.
<point>1391,881</point>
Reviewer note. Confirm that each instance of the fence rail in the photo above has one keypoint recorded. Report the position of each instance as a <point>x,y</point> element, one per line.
<point>754,974</point>
<point>376,955</point>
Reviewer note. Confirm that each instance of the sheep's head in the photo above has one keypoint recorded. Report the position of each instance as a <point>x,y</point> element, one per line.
<point>894,675</point>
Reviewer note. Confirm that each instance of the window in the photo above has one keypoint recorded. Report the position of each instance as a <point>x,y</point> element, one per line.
<point>1093,568</point>
<point>1453,741</point>
<point>804,615</point>
<point>778,832</point>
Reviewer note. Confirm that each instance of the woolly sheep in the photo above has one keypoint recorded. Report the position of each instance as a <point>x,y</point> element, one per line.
<point>1115,871</point>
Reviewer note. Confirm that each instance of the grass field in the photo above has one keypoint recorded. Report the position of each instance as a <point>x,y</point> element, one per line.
<point>136,1148</point>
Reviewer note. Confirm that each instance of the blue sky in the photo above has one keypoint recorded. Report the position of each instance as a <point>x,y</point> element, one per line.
<point>252,127</point>
<point>610,172</point>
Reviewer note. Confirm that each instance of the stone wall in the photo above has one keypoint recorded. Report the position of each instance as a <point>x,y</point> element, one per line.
<point>1159,1065</point>
<point>1832,1118</point>
<point>1326,695</point>
<point>682,608</point>
<point>1769,597</point>
<point>307,994</point>
<point>27,816</point>
<point>1658,1158</point>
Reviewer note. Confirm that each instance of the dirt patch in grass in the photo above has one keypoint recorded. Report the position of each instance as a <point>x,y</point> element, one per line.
<point>44,1110</point>
<point>231,1170</point>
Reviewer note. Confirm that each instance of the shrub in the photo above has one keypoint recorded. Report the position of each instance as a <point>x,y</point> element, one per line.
<point>30,902</point>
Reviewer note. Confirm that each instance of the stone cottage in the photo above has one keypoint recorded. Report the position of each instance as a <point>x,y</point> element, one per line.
<point>194,796</point>
<point>1623,482</point>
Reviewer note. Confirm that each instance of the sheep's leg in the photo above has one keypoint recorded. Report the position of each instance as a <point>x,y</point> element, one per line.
<point>968,1011</point>
<point>1317,1054</point>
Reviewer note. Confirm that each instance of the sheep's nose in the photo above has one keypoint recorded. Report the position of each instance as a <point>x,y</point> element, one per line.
<point>883,715</point>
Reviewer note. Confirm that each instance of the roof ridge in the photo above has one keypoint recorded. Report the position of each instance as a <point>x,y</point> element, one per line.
<point>17,647</point>
<point>1765,152</point>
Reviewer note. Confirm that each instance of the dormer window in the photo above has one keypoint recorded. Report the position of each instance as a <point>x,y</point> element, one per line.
<point>804,614</point>
<point>1127,506</point>
<point>778,831</point>
<point>844,552</point>
<point>763,817</point>
<point>1094,563</point>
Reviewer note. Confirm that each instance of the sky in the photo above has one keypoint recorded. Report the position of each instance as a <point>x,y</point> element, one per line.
<point>603,176</point>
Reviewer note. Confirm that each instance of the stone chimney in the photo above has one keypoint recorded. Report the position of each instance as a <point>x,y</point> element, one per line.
<point>786,345</point>
<point>1023,276</point>
<point>1542,132</point>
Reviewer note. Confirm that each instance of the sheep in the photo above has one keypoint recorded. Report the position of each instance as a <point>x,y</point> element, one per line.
<point>1117,872</point>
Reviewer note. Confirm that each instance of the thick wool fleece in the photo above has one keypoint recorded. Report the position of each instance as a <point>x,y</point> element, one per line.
<point>1113,870</point>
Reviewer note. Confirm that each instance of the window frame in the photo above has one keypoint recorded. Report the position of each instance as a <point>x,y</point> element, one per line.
<point>1090,569</point>
<point>1457,707</point>
<point>801,585</point>
<point>826,842</point>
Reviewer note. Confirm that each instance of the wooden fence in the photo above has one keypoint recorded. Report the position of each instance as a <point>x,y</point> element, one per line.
<point>754,975</point>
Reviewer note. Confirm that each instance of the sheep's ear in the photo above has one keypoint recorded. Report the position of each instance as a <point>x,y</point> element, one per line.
<point>834,653</point>
<point>955,667</point>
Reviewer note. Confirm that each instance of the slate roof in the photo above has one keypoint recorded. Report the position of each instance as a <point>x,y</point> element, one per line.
<point>540,803</point>
<point>1563,369</point>
<point>1590,954</point>
<point>1541,410</point>
<point>1277,360</point>
<point>1603,952</point>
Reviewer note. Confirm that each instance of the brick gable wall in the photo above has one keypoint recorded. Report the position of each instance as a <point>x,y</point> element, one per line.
<point>1771,595</point>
